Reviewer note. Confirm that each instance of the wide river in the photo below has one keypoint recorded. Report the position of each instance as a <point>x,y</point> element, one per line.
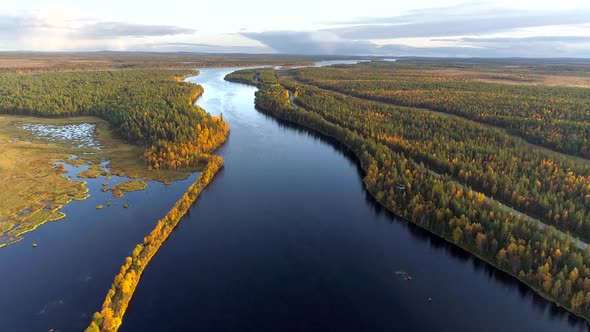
<point>286,239</point>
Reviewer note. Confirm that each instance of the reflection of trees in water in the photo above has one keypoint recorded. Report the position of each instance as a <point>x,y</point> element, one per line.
<point>538,303</point>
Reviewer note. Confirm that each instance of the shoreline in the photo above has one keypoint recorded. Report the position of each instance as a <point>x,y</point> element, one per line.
<point>120,294</point>
<point>279,115</point>
<point>110,317</point>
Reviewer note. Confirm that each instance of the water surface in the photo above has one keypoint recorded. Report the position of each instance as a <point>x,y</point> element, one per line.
<point>62,282</point>
<point>287,239</point>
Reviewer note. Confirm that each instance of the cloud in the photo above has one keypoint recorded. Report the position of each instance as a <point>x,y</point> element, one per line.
<point>314,42</point>
<point>518,40</point>
<point>201,48</point>
<point>106,30</point>
<point>457,21</point>
<point>464,30</point>
<point>467,30</point>
<point>11,24</point>
<point>57,28</point>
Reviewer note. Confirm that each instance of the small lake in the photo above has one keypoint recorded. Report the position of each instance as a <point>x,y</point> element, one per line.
<point>79,135</point>
<point>287,239</point>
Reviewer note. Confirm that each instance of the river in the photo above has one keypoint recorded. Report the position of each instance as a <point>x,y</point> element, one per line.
<point>287,239</point>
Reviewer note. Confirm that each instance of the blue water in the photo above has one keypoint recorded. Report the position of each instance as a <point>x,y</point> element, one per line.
<point>287,239</point>
<point>62,282</point>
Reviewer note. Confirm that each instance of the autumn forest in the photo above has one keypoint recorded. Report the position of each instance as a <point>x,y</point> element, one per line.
<point>495,167</point>
<point>350,194</point>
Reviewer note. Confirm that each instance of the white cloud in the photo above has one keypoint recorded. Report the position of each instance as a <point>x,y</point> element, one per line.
<point>53,30</point>
<point>476,29</point>
<point>465,30</point>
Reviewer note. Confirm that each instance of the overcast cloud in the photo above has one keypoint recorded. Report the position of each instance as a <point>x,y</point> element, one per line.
<point>446,22</point>
<point>472,30</point>
<point>476,29</point>
<point>83,28</point>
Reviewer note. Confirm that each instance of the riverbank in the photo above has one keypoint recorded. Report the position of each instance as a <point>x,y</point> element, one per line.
<point>110,317</point>
<point>118,297</point>
<point>344,136</point>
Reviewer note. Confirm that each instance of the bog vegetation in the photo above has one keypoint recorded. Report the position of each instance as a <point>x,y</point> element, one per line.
<point>110,317</point>
<point>150,108</point>
<point>439,171</point>
<point>145,107</point>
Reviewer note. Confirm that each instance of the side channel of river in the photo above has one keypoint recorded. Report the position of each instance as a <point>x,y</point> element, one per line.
<point>286,239</point>
<point>59,284</point>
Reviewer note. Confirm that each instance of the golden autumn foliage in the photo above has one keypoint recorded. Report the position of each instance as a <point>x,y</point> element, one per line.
<point>167,154</point>
<point>184,137</point>
<point>555,117</point>
<point>549,186</point>
<point>152,108</point>
<point>549,261</point>
<point>115,304</point>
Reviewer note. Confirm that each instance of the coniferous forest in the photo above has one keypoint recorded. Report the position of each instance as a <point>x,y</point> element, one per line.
<point>491,158</point>
<point>464,175</point>
<point>152,108</point>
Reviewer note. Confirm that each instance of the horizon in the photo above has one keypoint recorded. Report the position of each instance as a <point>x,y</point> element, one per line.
<point>375,57</point>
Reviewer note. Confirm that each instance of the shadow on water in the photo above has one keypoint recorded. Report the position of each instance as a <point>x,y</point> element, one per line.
<point>539,303</point>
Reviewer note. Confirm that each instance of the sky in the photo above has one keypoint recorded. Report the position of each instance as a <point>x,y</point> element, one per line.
<point>502,28</point>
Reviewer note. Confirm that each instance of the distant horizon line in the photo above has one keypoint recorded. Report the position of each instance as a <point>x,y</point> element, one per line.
<point>339,56</point>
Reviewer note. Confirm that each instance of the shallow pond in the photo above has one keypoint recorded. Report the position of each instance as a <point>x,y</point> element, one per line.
<point>80,135</point>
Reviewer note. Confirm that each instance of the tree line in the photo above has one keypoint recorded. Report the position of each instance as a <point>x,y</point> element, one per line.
<point>153,108</point>
<point>549,261</point>
<point>110,317</point>
<point>549,186</point>
<point>554,117</point>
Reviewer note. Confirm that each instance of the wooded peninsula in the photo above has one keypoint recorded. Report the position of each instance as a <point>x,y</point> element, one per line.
<point>151,108</point>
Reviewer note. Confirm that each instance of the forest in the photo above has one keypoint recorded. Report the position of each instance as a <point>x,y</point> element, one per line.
<point>552,116</point>
<point>36,62</point>
<point>551,187</point>
<point>152,108</point>
<point>404,149</point>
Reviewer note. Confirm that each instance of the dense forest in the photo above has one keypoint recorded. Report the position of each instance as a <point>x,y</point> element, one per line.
<point>36,62</point>
<point>145,107</point>
<point>546,185</point>
<point>555,117</point>
<point>151,108</point>
<point>401,150</point>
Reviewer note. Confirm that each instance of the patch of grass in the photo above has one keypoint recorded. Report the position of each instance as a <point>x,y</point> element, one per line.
<point>63,199</point>
<point>93,172</point>
<point>117,192</point>
<point>28,174</point>
<point>132,186</point>
<point>28,223</point>
<point>27,177</point>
